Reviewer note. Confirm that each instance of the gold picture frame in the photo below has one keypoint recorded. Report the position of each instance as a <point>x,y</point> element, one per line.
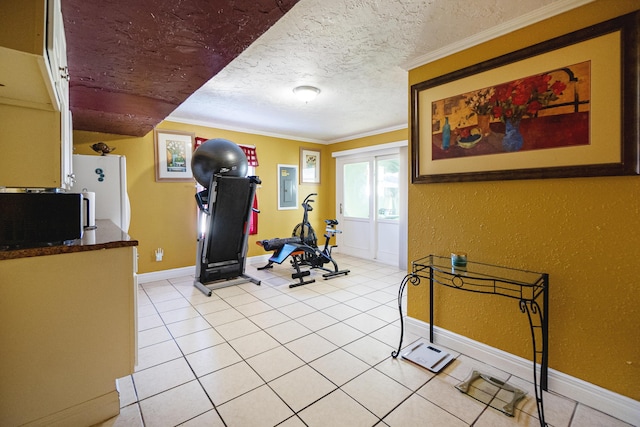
<point>173,151</point>
<point>611,146</point>
<point>309,166</point>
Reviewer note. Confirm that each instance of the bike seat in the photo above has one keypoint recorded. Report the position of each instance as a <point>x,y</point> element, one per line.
<point>331,222</point>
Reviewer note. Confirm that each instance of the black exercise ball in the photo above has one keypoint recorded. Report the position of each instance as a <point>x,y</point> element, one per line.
<point>218,156</point>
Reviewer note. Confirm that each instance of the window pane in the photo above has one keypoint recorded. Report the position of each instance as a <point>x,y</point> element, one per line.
<point>356,190</point>
<point>388,194</point>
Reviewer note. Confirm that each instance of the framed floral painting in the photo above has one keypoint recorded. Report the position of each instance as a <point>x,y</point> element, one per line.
<point>173,151</point>
<point>561,108</point>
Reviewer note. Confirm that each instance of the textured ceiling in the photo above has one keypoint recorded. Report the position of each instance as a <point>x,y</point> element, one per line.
<point>132,62</point>
<point>355,51</point>
<point>144,57</point>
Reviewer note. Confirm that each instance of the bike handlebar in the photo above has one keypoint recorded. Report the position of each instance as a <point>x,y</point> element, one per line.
<point>307,198</point>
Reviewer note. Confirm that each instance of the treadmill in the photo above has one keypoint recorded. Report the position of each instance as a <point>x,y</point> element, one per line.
<point>225,209</point>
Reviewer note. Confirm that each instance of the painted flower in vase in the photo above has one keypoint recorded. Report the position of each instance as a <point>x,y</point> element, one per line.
<point>480,104</point>
<point>524,97</point>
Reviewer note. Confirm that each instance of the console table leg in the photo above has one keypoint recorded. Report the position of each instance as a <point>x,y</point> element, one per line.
<point>414,280</point>
<point>544,374</point>
<point>537,322</point>
<point>431,305</point>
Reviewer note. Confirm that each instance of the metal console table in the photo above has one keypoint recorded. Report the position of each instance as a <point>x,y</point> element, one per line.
<point>527,287</point>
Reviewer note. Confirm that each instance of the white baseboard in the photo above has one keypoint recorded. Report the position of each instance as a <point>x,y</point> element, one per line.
<point>614,404</point>
<point>191,270</point>
<point>260,259</point>
<point>88,413</point>
<point>166,274</point>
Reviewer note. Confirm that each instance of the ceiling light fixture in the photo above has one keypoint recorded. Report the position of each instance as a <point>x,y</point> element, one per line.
<point>306,93</point>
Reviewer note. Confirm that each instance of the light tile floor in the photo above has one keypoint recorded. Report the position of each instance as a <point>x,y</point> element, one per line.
<point>315,355</point>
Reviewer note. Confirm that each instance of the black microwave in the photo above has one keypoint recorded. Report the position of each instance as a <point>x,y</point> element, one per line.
<point>39,219</point>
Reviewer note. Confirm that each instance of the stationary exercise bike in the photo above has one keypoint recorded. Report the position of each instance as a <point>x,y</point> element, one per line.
<point>303,249</point>
<point>307,235</point>
<point>304,231</point>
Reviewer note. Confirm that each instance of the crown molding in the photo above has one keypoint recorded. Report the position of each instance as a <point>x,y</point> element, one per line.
<point>284,136</point>
<point>369,133</point>
<point>242,130</point>
<point>505,28</point>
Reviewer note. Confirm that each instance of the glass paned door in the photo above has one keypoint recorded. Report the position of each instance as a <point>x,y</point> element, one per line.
<point>356,190</point>
<point>355,209</point>
<point>387,229</point>
<point>387,188</point>
<point>368,198</point>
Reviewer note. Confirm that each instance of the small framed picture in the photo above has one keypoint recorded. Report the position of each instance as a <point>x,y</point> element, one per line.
<point>173,150</point>
<point>310,166</point>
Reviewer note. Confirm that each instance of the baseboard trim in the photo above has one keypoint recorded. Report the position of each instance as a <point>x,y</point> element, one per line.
<point>189,271</point>
<point>88,413</point>
<point>154,276</point>
<point>614,404</point>
<point>260,259</point>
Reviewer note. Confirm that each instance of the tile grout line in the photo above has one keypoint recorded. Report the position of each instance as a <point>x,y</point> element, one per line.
<point>281,344</point>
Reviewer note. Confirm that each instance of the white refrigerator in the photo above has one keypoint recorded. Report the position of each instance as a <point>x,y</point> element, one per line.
<point>106,176</point>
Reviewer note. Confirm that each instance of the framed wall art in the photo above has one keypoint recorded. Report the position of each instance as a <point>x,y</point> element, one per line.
<point>563,108</point>
<point>287,187</point>
<point>309,166</point>
<point>173,150</point>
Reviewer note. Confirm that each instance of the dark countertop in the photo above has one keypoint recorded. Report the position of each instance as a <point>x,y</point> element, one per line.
<point>106,236</point>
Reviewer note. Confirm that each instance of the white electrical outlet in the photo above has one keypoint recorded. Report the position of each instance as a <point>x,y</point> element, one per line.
<point>159,254</point>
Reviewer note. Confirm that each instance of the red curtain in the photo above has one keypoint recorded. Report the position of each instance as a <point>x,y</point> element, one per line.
<point>253,224</point>
<point>252,158</point>
<point>250,152</point>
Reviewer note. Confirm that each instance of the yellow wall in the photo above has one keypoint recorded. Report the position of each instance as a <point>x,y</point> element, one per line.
<point>163,214</point>
<point>584,232</point>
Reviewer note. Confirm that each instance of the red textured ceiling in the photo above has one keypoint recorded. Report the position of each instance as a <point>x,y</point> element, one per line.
<point>133,62</point>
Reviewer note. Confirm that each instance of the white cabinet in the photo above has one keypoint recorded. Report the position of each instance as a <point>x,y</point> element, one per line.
<point>58,61</point>
<point>35,127</point>
<point>57,53</point>
<point>66,150</point>
<point>33,58</point>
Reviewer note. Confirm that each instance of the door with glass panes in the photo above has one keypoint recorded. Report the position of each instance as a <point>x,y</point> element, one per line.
<point>368,205</point>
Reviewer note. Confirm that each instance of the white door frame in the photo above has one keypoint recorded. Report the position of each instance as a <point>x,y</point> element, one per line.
<point>399,147</point>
